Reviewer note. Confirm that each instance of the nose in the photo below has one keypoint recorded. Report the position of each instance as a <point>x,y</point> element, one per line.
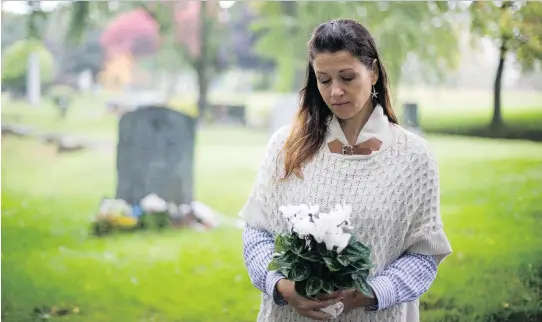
<point>336,90</point>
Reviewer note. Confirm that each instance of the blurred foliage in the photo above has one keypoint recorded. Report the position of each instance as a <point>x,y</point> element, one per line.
<point>516,25</point>
<point>189,29</point>
<point>36,19</point>
<point>15,64</point>
<point>13,28</point>
<point>70,58</point>
<point>84,15</point>
<point>424,30</point>
<point>133,31</point>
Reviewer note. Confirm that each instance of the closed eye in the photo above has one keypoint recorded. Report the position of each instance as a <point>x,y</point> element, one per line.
<point>348,79</point>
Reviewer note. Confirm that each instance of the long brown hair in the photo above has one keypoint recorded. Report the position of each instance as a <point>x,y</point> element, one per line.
<point>312,118</point>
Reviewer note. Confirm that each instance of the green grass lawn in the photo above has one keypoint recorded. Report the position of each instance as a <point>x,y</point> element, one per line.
<point>86,116</point>
<point>519,122</point>
<point>491,192</point>
<point>451,111</point>
<point>469,111</point>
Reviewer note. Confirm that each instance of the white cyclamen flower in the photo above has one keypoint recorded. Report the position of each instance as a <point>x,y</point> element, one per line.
<point>304,227</point>
<point>305,210</point>
<point>299,211</point>
<point>329,228</point>
<point>152,203</point>
<point>289,211</point>
<point>341,215</point>
<point>339,240</point>
<point>295,213</point>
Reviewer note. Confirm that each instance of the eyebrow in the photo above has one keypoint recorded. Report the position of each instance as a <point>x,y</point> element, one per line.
<point>342,70</point>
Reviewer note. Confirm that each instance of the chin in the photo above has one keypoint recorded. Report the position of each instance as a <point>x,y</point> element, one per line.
<point>344,115</point>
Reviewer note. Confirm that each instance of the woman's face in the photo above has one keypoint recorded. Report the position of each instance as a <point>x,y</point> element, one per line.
<point>344,82</point>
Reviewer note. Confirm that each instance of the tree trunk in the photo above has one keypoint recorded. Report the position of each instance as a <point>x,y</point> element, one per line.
<point>497,120</point>
<point>203,86</point>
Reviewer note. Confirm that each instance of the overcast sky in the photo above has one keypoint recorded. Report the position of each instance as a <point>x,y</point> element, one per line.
<point>18,6</point>
<point>22,7</point>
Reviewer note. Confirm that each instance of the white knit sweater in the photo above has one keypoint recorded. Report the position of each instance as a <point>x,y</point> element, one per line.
<point>394,195</point>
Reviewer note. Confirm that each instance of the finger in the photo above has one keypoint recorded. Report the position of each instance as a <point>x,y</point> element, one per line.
<point>321,304</point>
<point>317,315</point>
<point>333,295</point>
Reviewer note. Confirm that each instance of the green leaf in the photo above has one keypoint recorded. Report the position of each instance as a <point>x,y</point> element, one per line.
<point>332,264</point>
<point>358,248</point>
<point>323,251</point>
<point>314,286</point>
<point>290,258</point>
<point>354,253</point>
<point>282,243</point>
<point>327,286</point>
<point>297,246</point>
<point>361,285</point>
<point>283,260</point>
<point>344,260</point>
<point>348,270</point>
<point>356,244</point>
<point>300,271</point>
<point>312,256</point>
<point>273,266</point>
<point>286,271</point>
<point>362,265</point>
<point>343,282</point>
<point>301,288</point>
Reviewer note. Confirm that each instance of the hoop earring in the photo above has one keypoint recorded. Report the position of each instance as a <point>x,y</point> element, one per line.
<point>374,93</point>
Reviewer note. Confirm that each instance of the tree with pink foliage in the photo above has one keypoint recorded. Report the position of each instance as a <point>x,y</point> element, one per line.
<point>138,31</point>
<point>134,32</point>
<point>185,26</point>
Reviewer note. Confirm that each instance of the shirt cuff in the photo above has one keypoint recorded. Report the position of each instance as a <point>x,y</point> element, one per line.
<point>384,291</point>
<point>273,277</point>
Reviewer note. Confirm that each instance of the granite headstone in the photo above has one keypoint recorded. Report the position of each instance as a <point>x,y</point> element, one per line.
<point>155,154</point>
<point>411,119</point>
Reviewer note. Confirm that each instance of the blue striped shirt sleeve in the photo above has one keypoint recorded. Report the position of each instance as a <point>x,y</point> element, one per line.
<point>404,280</point>
<point>258,248</point>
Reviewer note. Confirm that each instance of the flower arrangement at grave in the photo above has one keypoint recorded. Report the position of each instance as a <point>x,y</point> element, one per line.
<point>151,212</point>
<point>116,215</point>
<point>155,212</point>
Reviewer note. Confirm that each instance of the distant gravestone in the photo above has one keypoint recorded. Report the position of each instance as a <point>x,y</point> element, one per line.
<point>227,114</point>
<point>411,119</point>
<point>283,111</point>
<point>84,80</point>
<point>33,80</point>
<point>155,154</point>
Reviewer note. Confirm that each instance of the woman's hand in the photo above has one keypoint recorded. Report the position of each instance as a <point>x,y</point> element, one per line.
<point>303,305</point>
<point>354,299</point>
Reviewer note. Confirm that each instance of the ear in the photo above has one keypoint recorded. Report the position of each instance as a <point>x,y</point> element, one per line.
<point>374,70</point>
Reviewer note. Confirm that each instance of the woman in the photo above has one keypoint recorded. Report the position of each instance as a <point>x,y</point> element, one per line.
<point>345,147</point>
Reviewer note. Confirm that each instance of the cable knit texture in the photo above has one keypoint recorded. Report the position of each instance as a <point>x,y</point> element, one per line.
<point>394,195</point>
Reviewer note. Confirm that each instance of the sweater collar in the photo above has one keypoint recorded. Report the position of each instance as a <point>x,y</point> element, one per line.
<point>377,126</point>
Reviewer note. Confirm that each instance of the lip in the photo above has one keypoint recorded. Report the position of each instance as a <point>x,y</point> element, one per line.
<point>339,104</point>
